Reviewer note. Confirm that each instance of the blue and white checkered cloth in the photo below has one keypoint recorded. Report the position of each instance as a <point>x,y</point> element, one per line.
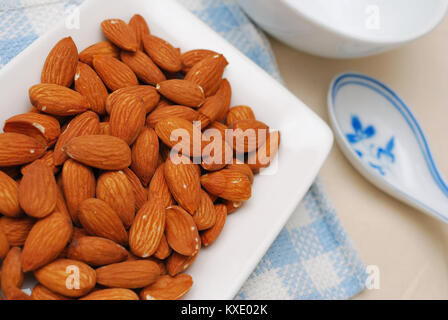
<point>312,258</point>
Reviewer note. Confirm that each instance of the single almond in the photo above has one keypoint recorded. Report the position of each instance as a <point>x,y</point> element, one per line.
<point>158,188</point>
<point>145,152</point>
<point>210,110</point>
<point>181,231</point>
<point>16,229</point>
<point>163,250</point>
<point>217,152</point>
<point>99,151</point>
<point>12,275</point>
<point>225,92</point>
<point>248,135</point>
<point>101,48</point>
<point>183,92</point>
<point>18,149</point>
<point>140,27</point>
<point>60,65</point>
<point>228,184</point>
<point>205,215</point>
<point>111,295</point>
<point>192,57</point>
<point>140,193</point>
<point>148,94</point>
<point>165,112</point>
<point>9,197</point>
<point>239,113</point>
<point>243,168</point>
<point>210,235</point>
<point>162,53</point>
<point>114,73</point>
<point>168,288</point>
<point>120,33</point>
<point>142,65</point>
<point>208,73</point>
<point>57,100</point>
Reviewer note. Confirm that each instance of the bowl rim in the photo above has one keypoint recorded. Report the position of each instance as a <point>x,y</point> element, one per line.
<point>366,39</point>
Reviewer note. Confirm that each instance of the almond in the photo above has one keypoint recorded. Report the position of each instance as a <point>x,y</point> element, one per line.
<point>43,128</point>
<point>86,123</point>
<point>225,92</point>
<point>140,193</point>
<point>111,294</point>
<point>114,188</point>
<point>46,240</point>
<point>181,232</point>
<point>89,84</point>
<point>100,151</point>
<point>177,263</point>
<point>140,27</point>
<point>69,278</point>
<point>183,180</point>
<point>120,33</point>
<point>18,149</point>
<point>4,244</point>
<point>243,168</point>
<point>165,112</point>
<point>101,48</point>
<point>114,73</point>
<point>42,293</point>
<point>142,65</point>
<point>266,153</point>
<point>162,53</point>
<point>12,275</point>
<point>60,65</point>
<point>9,197</point>
<point>145,152</point>
<point>129,274</point>
<point>248,135</point>
<point>210,235</point>
<point>158,188</point>
<point>148,94</point>
<point>96,251</point>
<point>205,215</point>
<point>168,288</point>
<point>16,229</point>
<point>239,113</point>
<point>99,219</point>
<point>228,184</point>
<point>79,184</point>
<point>192,57</point>
<point>127,119</point>
<point>38,190</point>
<point>105,128</point>
<point>208,73</point>
<point>210,110</point>
<point>57,100</point>
<point>216,154</point>
<point>183,92</point>
<point>147,229</point>
<point>163,250</point>
<point>48,158</point>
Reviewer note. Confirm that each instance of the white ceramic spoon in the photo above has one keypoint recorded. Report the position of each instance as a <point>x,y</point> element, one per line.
<point>382,139</point>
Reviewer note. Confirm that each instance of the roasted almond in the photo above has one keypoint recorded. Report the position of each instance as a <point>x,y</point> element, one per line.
<point>120,33</point>
<point>101,48</point>
<point>140,193</point>
<point>210,235</point>
<point>162,53</point>
<point>238,113</point>
<point>99,151</point>
<point>16,229</point>
<point>181,232</point>
<point>145,153</point>
<point>165,112</point>
<point>228,184</point>
<point>192,57</point>
<point>148,94</point>
<point>208,73</point>
<point>60,65</point>
<point>142,65</point>
<point>158,188</point>
<point>18,149</point>
<point>114,73</point>
<point>183,92</point>
<point>111,294</point>
<point>168,288</point>
<point>205,215</point>
<point>140,27</point>
<point>9,197</point>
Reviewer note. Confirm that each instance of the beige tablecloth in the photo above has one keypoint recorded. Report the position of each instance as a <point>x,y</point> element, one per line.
<point>409,247</point>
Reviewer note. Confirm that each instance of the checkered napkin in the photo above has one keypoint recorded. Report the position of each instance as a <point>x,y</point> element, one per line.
<point>312,258</point>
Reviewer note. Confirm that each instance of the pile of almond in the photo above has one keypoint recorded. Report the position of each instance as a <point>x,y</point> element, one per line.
<point>99,198</point>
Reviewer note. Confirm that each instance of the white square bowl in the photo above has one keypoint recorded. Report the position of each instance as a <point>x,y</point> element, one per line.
<point>220,270</point>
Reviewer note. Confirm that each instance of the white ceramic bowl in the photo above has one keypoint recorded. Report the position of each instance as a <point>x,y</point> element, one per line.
<point>346,28</point>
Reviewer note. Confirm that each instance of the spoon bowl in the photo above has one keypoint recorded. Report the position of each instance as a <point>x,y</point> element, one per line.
<point>383,140</point>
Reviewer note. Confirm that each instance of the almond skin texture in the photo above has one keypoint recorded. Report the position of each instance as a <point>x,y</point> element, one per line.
<point>38,190</point>
<point>228,184</point>
<point>142,65</point>
<point>148,94</point>
<point>162,53</point>
<point>42,293</point>
<point>177,263</point>
<point>216,154</point>
<point>79,184</point>
<point>129,274</point>
<point>48,158</point>
<point>183,180</point>
<point>57,100</point>
<point>4,244</point>
<point>101,48</point>
<point>114,73</point>
<point>96,251</point>
<point>239,113</point>
<point>225,92</point>
<point>120,33</point>
<point>210,235</point>
<point>208,73</point>
<point>18,149</point>
<point>168,288</point>
<point>243,168</point>
<point>86,123</point>
<point>145,152</point>
<point>183,92</point>
<point>89,84</point>
<point>60,65</point>
<point>12,275</point>
<point>111,295</point>
<point>140,27</point>
<point>181,232</point>
<point>128,119</point>
<point>9,197</point>
<point>163,250</point>
<point>41,127</point>
<point>248,135</point>
<point>140,193</point>
<point>205,215</point>
<point>16,229</point>
<point>147,230</point>
<point>114,188</point>
<point>100,151</point>
<point>266,153</point>
<point>190,58</point>
<point>210,110</point>
<point>158,188</point>
<point>171,112</point>
<point>61,277</point>
<point>46,240</point>
<point>99,219</point>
